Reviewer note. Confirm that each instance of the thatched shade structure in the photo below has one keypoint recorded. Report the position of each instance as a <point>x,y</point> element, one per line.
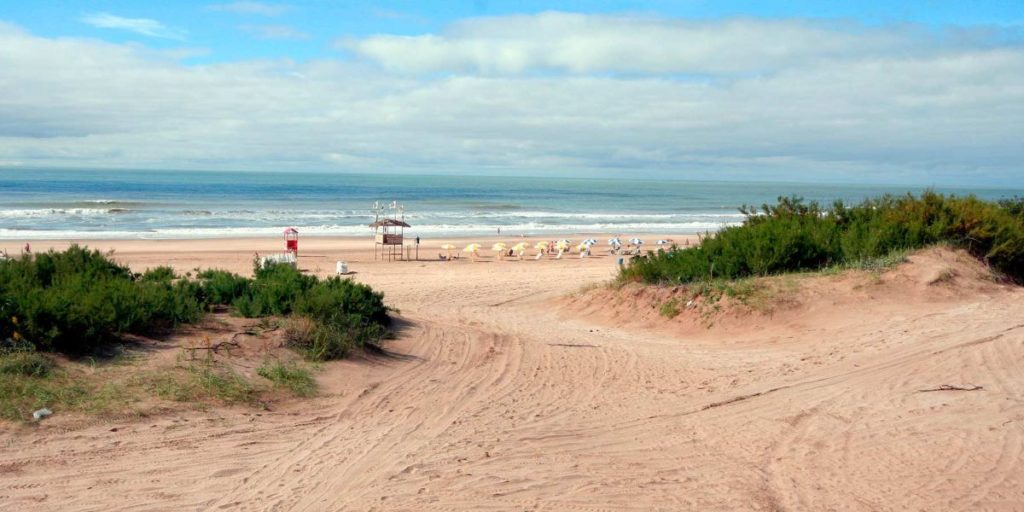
<point>388,237</point>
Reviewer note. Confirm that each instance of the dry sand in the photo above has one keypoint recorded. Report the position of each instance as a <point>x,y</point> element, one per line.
<point>503,395</point>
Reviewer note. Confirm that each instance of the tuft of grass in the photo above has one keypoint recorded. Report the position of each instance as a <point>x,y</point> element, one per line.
<point>291,376</point>
<point>30,381</point>
<point>945,276</point>
<point>670,308</point>
<point>25,364</point>
<point>200,382</point>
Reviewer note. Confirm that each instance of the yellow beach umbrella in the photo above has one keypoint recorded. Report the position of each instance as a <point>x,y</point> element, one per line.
<point>500,249</point>
<point>582,247</point>
<point>540,246</point>
<point>471,248</point>
<point>562,245</point>
<point>519,249</point>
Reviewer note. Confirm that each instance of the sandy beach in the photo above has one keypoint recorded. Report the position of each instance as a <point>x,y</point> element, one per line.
<point>505,389</point>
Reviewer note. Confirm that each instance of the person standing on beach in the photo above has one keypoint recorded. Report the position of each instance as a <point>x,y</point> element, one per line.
<point>499,230</point>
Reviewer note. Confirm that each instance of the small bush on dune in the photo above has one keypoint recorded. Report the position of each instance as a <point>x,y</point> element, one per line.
<point>796,236</point>
<point>273,291</point>
<point>222,287</point>
<point>159,274</point>
<point>76,300</point>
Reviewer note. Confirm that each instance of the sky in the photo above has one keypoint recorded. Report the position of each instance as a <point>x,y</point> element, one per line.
<point>924,92</point>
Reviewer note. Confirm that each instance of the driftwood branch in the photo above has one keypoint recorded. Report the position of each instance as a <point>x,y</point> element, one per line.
<point>215,347</point>
<point>950,387</point>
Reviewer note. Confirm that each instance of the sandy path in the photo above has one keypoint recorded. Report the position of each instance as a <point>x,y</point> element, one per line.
<point>494,402</point>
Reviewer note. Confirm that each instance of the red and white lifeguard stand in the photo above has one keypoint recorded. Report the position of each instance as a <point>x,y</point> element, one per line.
<point>291,241</point>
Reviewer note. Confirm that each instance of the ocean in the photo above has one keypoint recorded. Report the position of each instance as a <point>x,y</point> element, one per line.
<point>89,204</point>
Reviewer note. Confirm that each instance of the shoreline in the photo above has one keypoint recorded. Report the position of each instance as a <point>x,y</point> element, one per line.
<point>355,243</point>
<point>318,255</point>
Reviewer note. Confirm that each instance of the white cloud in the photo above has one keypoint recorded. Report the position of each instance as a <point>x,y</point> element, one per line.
<point>579,43</point>
<point>924,113</point>
<point>279,32</point>
<point>144,26</point>
<point>257,8</point>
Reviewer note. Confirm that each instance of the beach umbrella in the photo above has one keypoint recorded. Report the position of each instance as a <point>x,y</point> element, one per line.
<point>471,248</point>
<point>664,242</point>
<point>636,241</point>
<point>582,247</point>
<point>449,248</point>
<point>562,245</point>
<point>614,241</point>
<point>540,246</point>
<point>500,249</point>
<point>520,248</point>
<point>589,242</point>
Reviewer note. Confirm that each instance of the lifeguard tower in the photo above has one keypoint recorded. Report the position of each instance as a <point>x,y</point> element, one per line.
<point>291,241</point>
<point>389,231</point>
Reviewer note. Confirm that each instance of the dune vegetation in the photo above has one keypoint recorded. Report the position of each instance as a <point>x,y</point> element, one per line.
<point>793,235</point>
<point>81,304</point>
<point>78,300</point>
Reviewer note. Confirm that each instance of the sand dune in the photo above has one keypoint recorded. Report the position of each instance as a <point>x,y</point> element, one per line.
<point>498,395</point>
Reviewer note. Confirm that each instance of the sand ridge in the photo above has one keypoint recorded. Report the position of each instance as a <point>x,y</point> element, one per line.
<point>493,399</point>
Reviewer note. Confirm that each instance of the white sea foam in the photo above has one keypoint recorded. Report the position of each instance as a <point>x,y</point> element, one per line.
<point>57,212</point>
<point>530,228</point>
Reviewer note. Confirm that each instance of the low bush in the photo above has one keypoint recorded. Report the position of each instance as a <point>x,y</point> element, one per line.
<point>76,300</point>
<point>222,287</point>
<point>159,274</point>
<point>795,236</point>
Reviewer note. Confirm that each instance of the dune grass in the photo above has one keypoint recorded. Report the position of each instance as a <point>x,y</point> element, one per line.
<point>289,375</point>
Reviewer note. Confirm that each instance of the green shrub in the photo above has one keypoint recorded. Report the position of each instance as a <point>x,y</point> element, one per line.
<point>274,291</point>
<point>795,236</point>
<point>222,287</point>
<point>76,300</point>
<point>334,337</point>
<point>159,274</point>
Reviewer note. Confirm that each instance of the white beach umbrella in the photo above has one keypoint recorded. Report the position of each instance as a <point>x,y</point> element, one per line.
<point>589,242</point>
<point>663,242</point>
<point>614,241</point>
<point>636,241</point>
